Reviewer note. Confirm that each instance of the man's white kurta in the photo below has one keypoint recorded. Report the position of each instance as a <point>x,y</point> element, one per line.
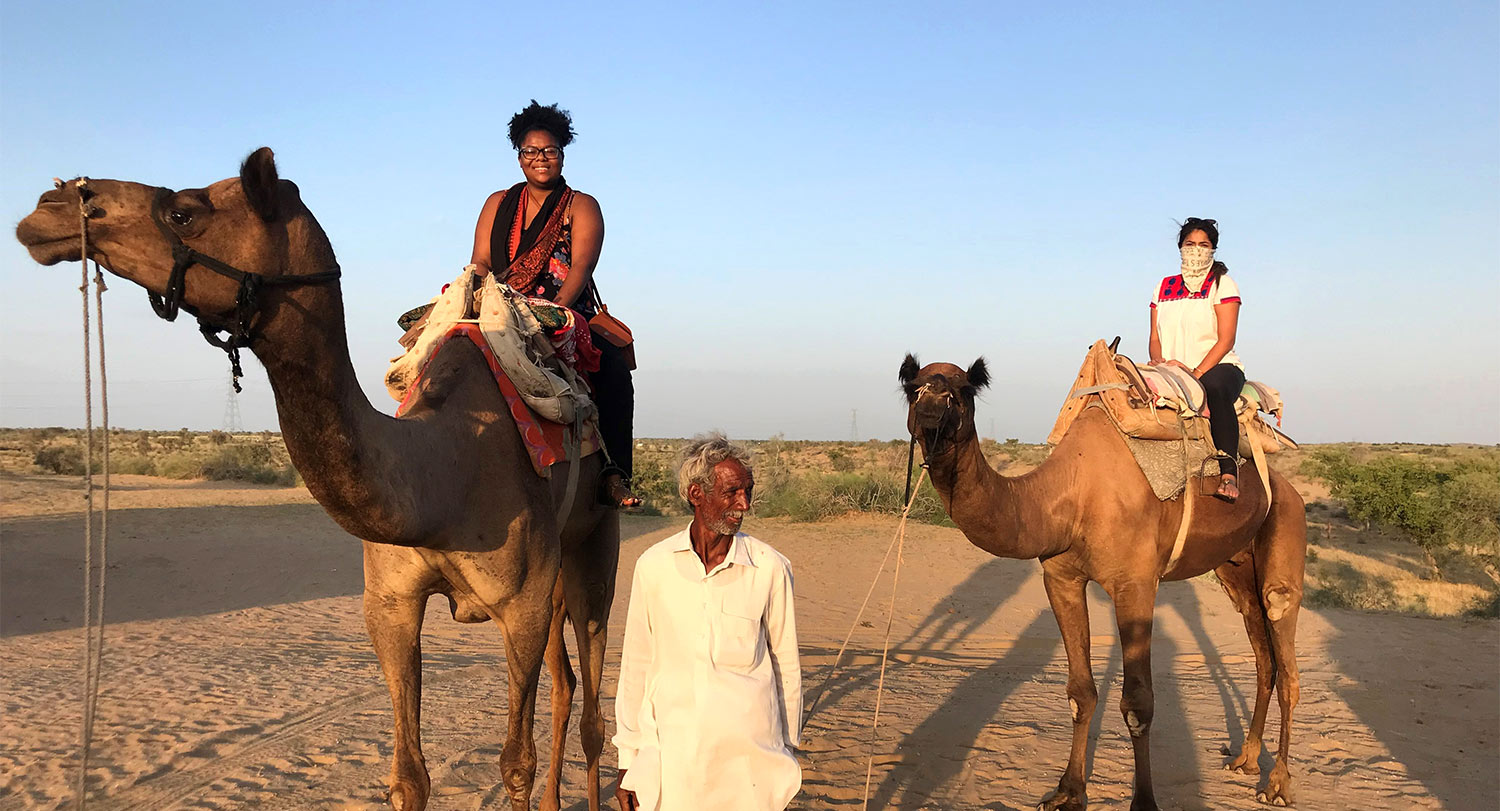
<point>709,703</point>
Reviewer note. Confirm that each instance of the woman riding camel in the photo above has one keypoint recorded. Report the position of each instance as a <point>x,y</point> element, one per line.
<point>1194,316</point>
<point>543,239</point>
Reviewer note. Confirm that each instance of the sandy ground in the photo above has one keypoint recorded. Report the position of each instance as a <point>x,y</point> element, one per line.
<point>237,674</point>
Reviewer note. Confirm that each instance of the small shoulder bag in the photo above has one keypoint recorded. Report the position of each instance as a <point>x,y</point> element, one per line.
<point>612,329</point>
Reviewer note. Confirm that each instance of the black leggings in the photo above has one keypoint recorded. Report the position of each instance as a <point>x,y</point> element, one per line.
<point>1221,387</point>
<point>614,393</point>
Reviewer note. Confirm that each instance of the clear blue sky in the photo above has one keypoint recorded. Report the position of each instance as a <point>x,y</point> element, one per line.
<point>796,195</point>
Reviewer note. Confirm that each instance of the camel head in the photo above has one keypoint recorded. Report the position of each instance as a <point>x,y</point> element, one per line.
<point>940,402</point>
<point>255,222</point>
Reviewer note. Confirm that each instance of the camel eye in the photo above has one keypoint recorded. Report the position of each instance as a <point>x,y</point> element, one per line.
<point>179,217</point>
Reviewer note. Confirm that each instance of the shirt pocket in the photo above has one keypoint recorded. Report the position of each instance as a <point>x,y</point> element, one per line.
<point>738,641</point>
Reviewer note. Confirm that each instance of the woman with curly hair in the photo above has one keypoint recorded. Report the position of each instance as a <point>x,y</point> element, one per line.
<point>543,238</point>
<point>1194,319</point>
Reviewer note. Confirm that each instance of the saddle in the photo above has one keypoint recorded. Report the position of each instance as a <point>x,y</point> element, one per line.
<point>512,326</point>
<point>1165,403</point>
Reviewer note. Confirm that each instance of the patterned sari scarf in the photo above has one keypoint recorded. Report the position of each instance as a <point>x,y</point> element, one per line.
<point>537,242</point>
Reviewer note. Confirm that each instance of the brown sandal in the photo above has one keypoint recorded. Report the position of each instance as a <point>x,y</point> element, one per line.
<point>1229,489</point>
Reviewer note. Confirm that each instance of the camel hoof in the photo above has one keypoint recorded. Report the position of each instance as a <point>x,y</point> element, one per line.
<point>1278,790</point>
<point>1061,800</point>
<point>406,796</point>
<point>1246,763</point>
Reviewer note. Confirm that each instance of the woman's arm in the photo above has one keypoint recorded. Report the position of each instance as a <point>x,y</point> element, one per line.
<point>588,241</point>
<point>481,254</point>
<point>1154,344</point>
<point>1228,316</point>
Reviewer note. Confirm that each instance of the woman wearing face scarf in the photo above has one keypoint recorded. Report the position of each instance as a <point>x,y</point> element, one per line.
<point>1194,316</point>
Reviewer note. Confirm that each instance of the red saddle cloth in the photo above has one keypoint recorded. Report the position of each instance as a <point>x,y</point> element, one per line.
<point>545,441</point>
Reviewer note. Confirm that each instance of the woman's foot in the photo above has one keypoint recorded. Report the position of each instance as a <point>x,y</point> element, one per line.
<point>1229,489</point>
<point>617,494</point>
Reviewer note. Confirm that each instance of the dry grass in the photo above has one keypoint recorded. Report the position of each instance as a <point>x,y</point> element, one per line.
<point>1350,564</point>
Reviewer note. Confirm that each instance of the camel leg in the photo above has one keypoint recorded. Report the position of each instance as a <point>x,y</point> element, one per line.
<point>1238,579</point>
<point>1134,605</point>
<point>589,580</point>
<point>1280,558</point>
<point>563,682</point>
<point>395,625</point>
<point>525,622</point>
<point>1069,600</point>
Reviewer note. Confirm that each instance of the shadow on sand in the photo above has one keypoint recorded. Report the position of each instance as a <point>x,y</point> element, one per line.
<point>175,562</point>
<point>1405,699</point>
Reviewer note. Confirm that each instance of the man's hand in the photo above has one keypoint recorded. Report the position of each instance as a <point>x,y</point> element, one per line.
<point>624,796</point>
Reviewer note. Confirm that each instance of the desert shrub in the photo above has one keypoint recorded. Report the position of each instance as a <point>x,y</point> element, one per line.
<point>218,437</point>
<point>656,483</point>
<point>65,460</point>
<point>1442,503</point>
<point>133,463</point>
<point>179,465</point>
<point>247,463</point>
<point>1343,586</point>
<point>818,496</point>
<point>840,460</point>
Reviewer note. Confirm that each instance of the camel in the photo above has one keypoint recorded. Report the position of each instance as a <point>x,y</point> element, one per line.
<point>444,499</point>
<point>1088,514</point>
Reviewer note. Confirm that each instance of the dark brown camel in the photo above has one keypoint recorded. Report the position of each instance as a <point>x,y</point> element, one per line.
<point>444,499</point>
<point>1089,515</point>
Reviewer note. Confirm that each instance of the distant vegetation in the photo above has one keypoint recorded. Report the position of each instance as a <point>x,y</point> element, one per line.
<point>1445,499</point>
<point>1406,528</point>
<point>260,457</point>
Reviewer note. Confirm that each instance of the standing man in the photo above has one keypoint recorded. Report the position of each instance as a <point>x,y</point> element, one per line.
<point>709,703</point>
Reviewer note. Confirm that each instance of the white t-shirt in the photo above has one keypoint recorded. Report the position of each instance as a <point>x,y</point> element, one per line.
<point>1186,322</point>
<point>709,703</point>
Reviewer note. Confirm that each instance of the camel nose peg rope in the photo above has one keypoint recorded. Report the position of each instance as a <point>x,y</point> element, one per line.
<point>93,580</point>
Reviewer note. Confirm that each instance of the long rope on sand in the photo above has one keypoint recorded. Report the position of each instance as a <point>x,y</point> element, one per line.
<point>898,545</point>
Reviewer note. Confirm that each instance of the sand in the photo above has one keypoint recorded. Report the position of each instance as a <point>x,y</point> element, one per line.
<point>237,674</point>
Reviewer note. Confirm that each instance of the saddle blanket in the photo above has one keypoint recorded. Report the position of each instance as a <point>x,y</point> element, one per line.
<point>546,441</point>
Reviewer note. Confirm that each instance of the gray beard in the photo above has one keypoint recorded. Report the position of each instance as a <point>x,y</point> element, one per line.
<point>723,527</point>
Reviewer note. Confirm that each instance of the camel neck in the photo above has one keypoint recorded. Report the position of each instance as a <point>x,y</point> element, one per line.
<point>1007,517</point>
<point>331,430</point>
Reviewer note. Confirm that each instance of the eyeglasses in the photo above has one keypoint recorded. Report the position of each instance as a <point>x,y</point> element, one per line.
<point>531,153</point>
<point>1196,221</point>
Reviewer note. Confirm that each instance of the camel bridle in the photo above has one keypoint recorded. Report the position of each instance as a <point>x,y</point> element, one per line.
<point>928,454</point>
<point>246,300</point>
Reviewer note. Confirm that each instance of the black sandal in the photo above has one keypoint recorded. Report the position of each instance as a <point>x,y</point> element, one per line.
<point>616,494</point>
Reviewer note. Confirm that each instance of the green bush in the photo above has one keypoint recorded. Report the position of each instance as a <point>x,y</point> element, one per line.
<point>247,463</point>
<point>818,496</point>
<point>64,460</point>
<point>655,483</point>
<point>179,465</point>
<point>1443,503</point>
<point>133,463</point>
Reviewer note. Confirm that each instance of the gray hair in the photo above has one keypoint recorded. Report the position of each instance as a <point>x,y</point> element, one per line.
<point>703,453</point>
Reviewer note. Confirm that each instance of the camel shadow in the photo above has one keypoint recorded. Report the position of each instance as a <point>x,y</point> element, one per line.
<point>950,622</point>
<point>1419,685</point>
<point>176,562</point>
<point>957,724</point>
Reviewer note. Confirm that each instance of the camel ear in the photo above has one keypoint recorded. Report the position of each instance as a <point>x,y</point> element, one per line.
<point>979,375</point>
<point>909,369</point>
<point>259,182</point>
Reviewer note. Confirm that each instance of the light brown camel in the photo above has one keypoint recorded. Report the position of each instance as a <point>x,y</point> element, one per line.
<point>444,499</point>
<point>1089,515</point>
